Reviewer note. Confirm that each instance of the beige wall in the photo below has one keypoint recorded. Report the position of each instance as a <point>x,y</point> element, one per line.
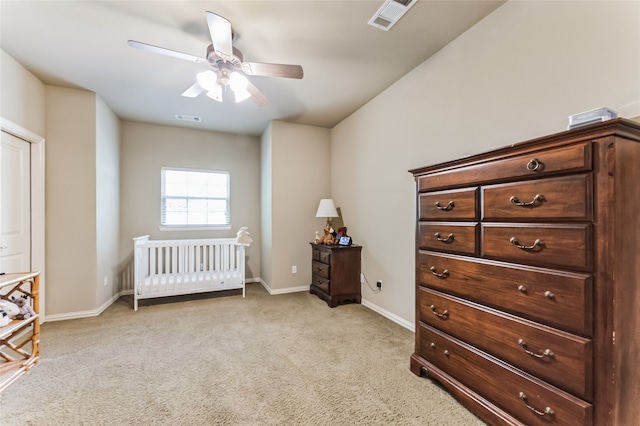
<point>21,96</point>
<point>296,175</point>
<point>107,201</point>
<point>70,187</point>
<point>266,206</point>
<point>516,75</point>
<point>146,148</point>
<point>81,187</point>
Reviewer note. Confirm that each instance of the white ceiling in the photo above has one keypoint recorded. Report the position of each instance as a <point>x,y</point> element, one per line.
<point>83,44</point>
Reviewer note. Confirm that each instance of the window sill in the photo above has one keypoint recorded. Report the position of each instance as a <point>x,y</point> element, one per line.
<point>194,228</point>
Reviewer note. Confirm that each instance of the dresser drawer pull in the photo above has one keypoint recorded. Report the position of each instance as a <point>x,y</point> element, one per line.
<point>546,352</point>
<point>449,238</point>
<point>533,165</point>
<point>448,207</point>
<point>536,243</point>
<point>547,411</point>
<point>444,315</point>
<point>443,275</point>
<point>522,289</point>
<point>539,198</point>
<point>549,295</point>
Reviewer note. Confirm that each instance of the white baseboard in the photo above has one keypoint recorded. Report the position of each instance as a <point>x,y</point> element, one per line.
<point>400,321</point>
<point>94,313</point>
<point>283,290</point>
<point>85,314</point>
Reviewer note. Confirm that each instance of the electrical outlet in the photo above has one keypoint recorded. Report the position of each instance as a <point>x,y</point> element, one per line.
<point>294,269</point>
<point>361,278</point>
<point>379,284</point>
<point>106,281</point>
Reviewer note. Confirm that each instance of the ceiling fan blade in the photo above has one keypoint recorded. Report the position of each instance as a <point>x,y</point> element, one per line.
<point>221,35</point>
<point>258,97</point>
<point>166,52</point>
<point>193,91</point>
<point>272,70</point>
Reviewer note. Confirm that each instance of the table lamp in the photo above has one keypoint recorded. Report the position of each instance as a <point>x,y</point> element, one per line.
<point>327,209</point>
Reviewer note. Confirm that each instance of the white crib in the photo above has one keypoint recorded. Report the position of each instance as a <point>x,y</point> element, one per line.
<point>175,267</point>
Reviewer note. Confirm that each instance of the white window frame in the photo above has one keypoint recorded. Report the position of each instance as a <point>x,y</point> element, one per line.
<point>187,227</point>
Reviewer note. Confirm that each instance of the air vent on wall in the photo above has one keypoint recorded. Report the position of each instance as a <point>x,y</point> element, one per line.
<point>390,13</point>
<point>188,118</point>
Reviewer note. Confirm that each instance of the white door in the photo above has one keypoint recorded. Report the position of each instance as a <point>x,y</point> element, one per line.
<point>15,205</point>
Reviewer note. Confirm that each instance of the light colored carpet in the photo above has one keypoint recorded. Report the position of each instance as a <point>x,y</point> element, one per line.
<point>263,360</point>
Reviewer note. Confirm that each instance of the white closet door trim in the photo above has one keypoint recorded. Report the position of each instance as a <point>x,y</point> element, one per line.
<point>37,201</point>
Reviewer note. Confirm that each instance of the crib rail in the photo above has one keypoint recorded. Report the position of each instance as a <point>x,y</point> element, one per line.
<point>174,267</point>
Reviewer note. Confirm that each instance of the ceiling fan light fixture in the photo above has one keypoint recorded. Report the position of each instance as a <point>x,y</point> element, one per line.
<point>215,93</point>
<point>238,84</point>
<point>208,80</point>
<point>241,95</point>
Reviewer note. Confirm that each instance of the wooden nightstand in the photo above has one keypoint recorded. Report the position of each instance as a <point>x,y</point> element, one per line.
<point>336,273</point>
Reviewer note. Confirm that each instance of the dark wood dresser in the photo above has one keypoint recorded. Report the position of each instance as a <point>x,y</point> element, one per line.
<point>336,273</point>
<point>528,278</point>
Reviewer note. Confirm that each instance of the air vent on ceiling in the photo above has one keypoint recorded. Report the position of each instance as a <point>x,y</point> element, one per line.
<point>188,118</point>
<point>390,13</point>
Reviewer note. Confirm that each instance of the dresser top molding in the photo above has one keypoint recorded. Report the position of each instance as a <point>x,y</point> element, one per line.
<point>617,126</point>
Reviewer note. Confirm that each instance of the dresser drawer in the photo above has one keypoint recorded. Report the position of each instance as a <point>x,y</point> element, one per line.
<point>450,237</point>
<point>320,269</point>
<point>510,389</point>
<point>560,358</point>
<point>567,246</point>
<point>572,158</point>
<point>556,298</point>
<point>460,204</point>
<point>564,198</point>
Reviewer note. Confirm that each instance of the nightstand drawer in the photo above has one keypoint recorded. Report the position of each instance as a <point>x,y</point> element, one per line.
<point>321,282</point>
<point>564,198</point>
<point>556,298</point>
<point>450,237</point>
<point>560,358</point>
<point>501,384</point>
<point>566,246</point>
<point>321,256</point>
<point>449,205</point>
<point>320,269</point>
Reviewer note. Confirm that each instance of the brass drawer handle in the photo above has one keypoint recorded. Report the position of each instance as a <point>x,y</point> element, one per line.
<point>444,315</point>
<point>448,207</point>
<point>547,411</point>
<point>533,165</point>
<point>443,275</point>
<point>536,243</point>
<point>539,198</point>
<point>546,352</point>
<point>449,238</point>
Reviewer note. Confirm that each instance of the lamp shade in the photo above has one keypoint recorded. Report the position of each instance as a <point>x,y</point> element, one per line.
<point>327,208</point>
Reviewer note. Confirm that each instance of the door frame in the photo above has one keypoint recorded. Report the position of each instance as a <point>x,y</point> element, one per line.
<point>37,201</point>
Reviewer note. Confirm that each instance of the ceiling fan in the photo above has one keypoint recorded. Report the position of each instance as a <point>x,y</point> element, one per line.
<point>228,69</point>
